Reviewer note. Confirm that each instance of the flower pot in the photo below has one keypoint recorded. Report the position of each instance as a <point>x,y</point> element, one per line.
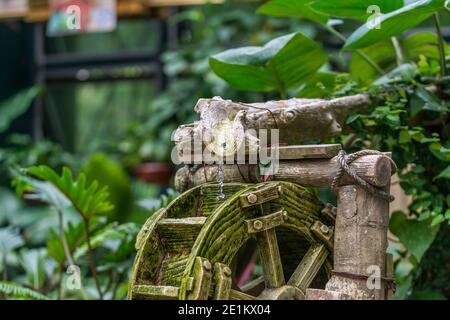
<point>154,172</point>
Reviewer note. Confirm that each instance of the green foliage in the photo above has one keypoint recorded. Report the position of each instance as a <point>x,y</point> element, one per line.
<point>417,236</point>
<point>319,85</point>
<point>17,291</point>
<point>74,234</point>
<point>292,8</point>
<point>33,261</point>
<point>407,118</point>
<point>109,234</point>
<point>393,23</point>
<point>414,46</point>
<point>88,201</point>
<point>16,106</point>
<point>163,201</point>
<point>19,150</point>
<point>8,204</point>
<point>10,239</point>
<point>110,173</point>
<point>354,9</point>
<point>281,64</point>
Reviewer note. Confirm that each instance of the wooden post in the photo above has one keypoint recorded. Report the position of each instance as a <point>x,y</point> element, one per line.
<point>360,244</point>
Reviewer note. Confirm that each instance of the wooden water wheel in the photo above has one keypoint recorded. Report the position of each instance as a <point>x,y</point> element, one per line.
<point>189,249</point>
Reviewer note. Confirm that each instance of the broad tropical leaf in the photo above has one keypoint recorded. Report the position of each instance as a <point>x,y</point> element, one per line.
<point>75,235</point>
<point>403,73</point>
<point>41,190</point>
<point>383,54</point>
<point>423,43</point>
<point>318,86</point>
<point>292,8</point>
<point>17,291</point>
<point>16,106</point>
<point>394,23</point>
<point>281,64</point>
<point>414,235</point>
<point>87,200</point>
<point>445,174</point>
<point>354,9</point>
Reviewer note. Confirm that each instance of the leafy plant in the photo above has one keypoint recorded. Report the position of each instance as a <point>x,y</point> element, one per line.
<point>88,201</point>
<point>16,106</point>
<point>281,64</point>
<point>10,240</point>
<point>394,23</point>
<point>17,291</point>
<point>109,172</point>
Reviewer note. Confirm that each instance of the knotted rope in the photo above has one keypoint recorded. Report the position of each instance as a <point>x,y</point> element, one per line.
<point>344,166</point>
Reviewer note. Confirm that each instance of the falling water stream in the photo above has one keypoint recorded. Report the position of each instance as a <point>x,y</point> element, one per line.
<point>220,179</point>
<point>220,174</point>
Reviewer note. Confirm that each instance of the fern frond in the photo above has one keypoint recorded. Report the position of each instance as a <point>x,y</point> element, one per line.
<point>17,291</point>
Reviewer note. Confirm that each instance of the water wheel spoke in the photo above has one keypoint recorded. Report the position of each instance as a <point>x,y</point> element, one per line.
<point>271,260</point>
<point>253,287</point>
<point>238,295</point>
<point>308,268</point>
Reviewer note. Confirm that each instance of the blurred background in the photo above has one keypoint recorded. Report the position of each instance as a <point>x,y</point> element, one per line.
<point>106,104</point>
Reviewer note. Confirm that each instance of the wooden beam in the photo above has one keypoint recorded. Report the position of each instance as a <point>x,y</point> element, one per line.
<point>360,244</point>
<point>375,169</point>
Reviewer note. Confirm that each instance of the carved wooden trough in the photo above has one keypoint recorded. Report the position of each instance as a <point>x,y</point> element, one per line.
<point>200,245</point>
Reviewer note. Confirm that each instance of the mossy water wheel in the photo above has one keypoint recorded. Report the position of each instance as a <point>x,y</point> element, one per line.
<point>189,250</point>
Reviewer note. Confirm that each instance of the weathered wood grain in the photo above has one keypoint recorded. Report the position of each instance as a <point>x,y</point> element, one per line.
<point>375,169</point>
<point>360,242</point>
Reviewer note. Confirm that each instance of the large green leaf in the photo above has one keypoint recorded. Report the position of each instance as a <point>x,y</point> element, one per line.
<point>383,54</point>
<point>414,235</point>
<point>292,8</point>
<point>423,43</point>
<point>393,23</point>
<point>88,201</point>
<point>74,234</point>
<point>354,9</point>
<point>282,64</point>
<point>403,73</point>
<point>16,106</point>
<point>110,173</point>
<point>318,85</point>
<point>445,174</point>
